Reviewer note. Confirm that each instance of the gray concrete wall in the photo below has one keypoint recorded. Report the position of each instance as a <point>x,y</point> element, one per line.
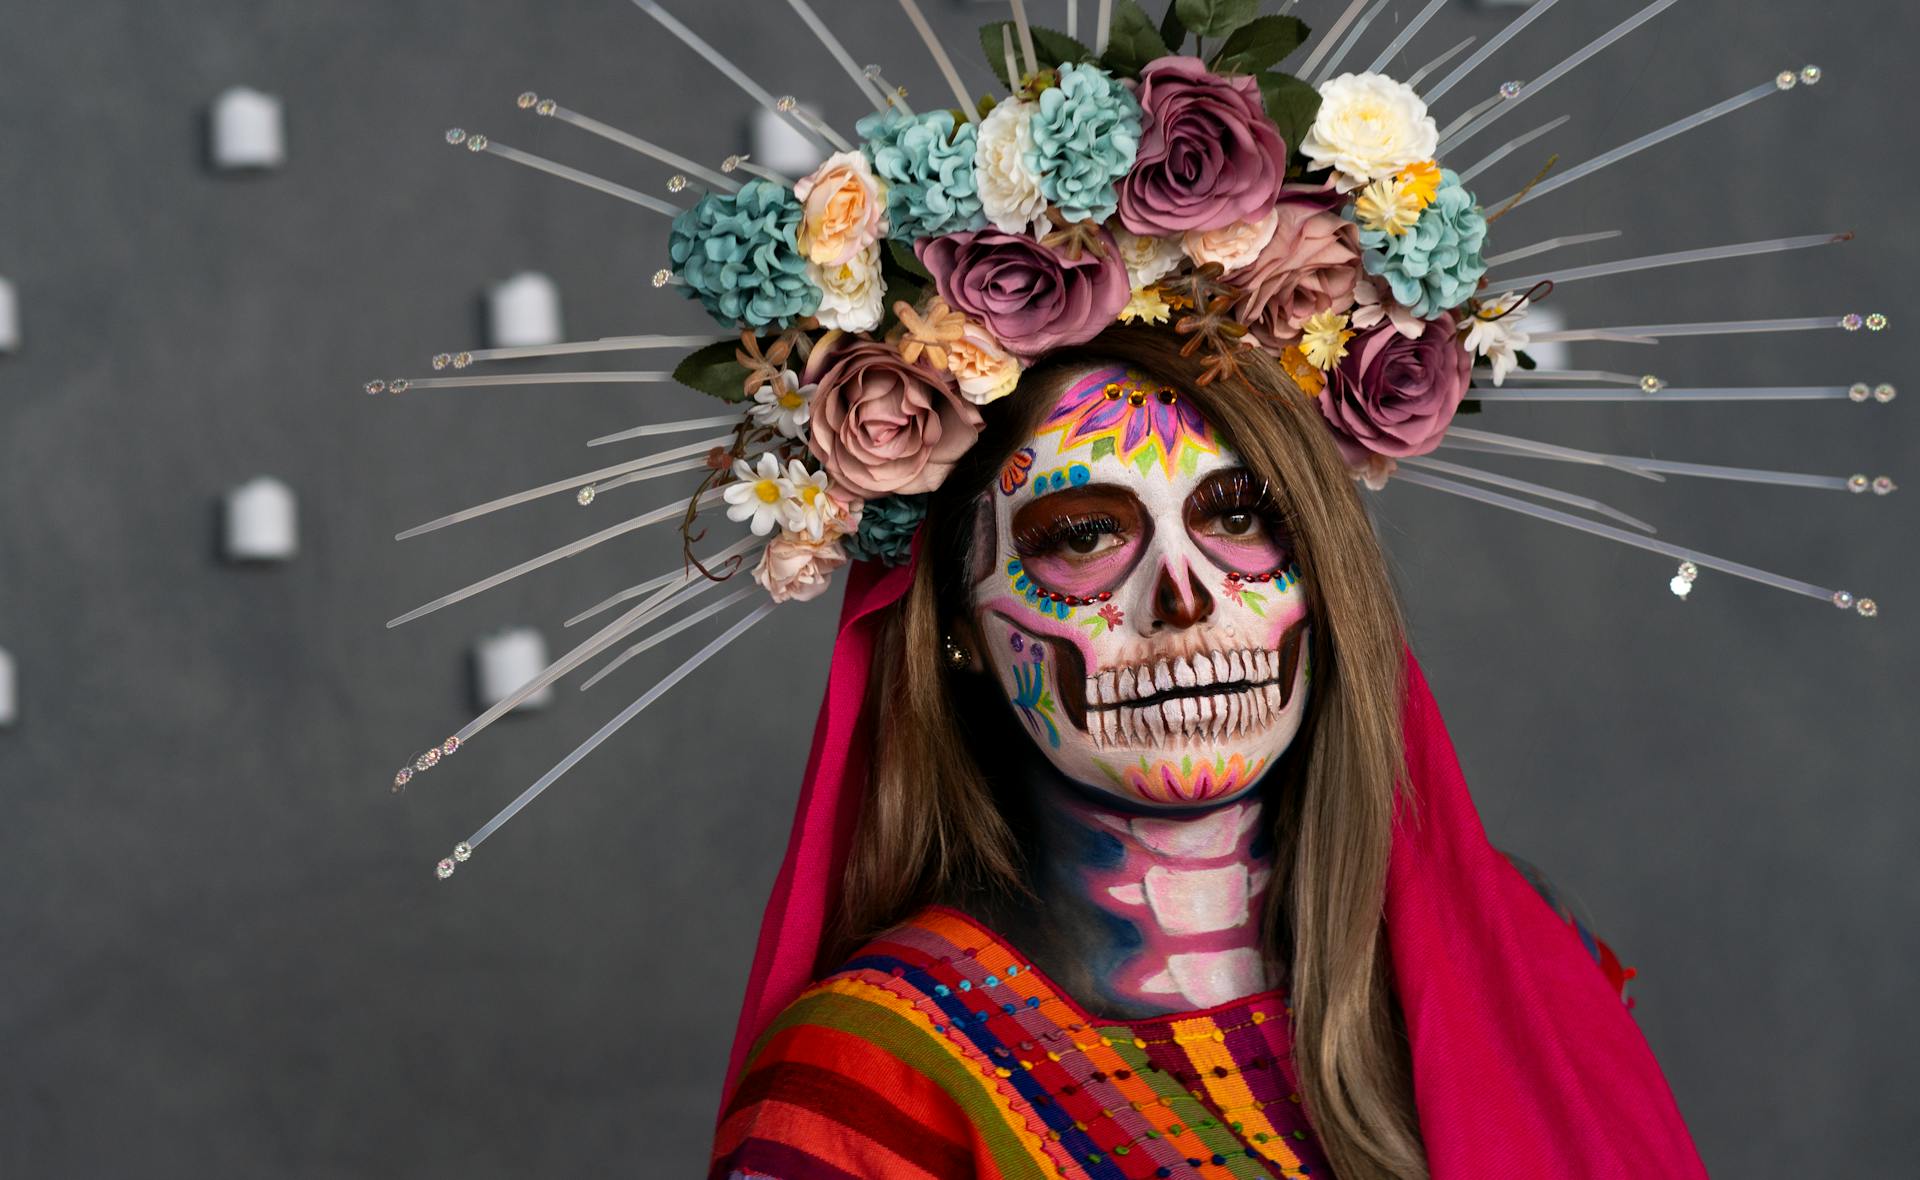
<point>225,953</point>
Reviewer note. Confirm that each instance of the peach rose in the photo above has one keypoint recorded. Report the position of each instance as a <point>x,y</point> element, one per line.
<point>794,568</point>
<point>985,371</point>
<point>844,209</point>
<point>1232,246</point>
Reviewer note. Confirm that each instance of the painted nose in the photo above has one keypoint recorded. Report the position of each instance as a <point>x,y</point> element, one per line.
<point>1179,600</point>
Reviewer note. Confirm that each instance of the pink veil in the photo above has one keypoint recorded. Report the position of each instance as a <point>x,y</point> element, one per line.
<point>1525,1062</point>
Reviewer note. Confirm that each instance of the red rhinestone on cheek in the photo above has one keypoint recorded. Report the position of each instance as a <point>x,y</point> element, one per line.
<point>1105,595</point>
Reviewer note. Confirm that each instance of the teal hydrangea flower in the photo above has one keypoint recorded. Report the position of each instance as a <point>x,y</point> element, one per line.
<point>927,162</point>
<point>739,257</point>
<point>1434,266</point>
<point>1086,132</point>
<point>886,531</point>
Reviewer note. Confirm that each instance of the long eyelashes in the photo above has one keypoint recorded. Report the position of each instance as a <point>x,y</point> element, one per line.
<point>1069,533</point>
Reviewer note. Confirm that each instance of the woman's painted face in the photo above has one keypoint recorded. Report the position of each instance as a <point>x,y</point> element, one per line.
<point>1143,613</point>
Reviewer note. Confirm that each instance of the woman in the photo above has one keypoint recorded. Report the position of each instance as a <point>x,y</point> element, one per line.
<point>1136,883</point>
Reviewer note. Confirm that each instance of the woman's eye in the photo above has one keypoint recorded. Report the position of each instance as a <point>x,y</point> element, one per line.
<point>1238,524</point>
<point>1090,543</point>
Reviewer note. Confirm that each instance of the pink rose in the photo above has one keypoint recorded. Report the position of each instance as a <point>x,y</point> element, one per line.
<point>881,426</point>
<point>1209,156</point>
<point>1030,298</point>
<point>796,569</point>
<point>1310,265</point>
<point>1393,396</point>
<point>1232,246</point>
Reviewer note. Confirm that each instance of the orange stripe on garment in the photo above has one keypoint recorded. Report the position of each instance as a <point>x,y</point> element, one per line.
<point>1205,1045</point>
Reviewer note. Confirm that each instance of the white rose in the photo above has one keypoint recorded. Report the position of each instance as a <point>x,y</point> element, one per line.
<point>851,292</point>
<point>1147,259</point>
<point>1009,190</point>
<point>984,371</point>
<point>1232,246</point>
<point>1369,127</point>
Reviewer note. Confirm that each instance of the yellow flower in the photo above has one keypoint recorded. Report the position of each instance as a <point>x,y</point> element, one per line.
<point>1323,339</point>
<point>1146,306</point>
<point>1310,380</point>
<point>1388,206</point>
<point>1421,181</point>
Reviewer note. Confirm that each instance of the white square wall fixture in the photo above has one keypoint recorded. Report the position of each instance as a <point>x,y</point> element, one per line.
<point>9,691</point>
<point>262,522</point>
<point>505,660</point>
<point>775,143</point>
<point>248,130</point>
<point>523,311</point>
<point>9,318</point>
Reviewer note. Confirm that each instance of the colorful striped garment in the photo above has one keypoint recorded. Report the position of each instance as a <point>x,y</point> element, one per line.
<point>939,1053</point>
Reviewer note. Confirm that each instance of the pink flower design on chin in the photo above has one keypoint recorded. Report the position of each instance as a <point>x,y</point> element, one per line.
<point>1191,780</point>
<point>1113,615</point>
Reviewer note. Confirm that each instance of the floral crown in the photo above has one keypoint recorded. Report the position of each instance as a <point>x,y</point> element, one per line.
<point>1319,215</point>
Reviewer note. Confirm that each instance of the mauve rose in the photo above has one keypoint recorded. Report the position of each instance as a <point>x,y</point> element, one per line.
<point>1031,298</point>
<point>1393,396</point>
<point>1209,156</point>
<point>879,425</point>
<point>1311,265</point>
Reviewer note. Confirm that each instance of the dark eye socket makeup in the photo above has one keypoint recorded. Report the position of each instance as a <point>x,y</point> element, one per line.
<point>1085,540</point>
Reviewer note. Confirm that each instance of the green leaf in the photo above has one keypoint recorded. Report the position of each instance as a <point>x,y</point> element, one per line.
<point>1291,104</point>
<point>1132,42</point>
<point>1050,47</point>
<point>712,370</point>
<point>1102,447</point>
<point>905,259</point>
<point>1260,43</point>
<point>1173,34</point>
<point>1215,18</point>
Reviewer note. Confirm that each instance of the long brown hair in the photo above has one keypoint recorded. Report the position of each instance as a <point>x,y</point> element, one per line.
<point>930,829</point>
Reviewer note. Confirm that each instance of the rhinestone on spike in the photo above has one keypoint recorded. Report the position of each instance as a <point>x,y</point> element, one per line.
<point>444,869</point>
<point>1689,571</point>
<point>676,183</point>
<point>1883,486</point>
<point>584,496</point>
<point>476,143</point>
<point>376,386</point>
<point>1860,391</point>
<point>462,359</point>
<point>1811,75</point>
<point>731,163</point>
<point>1680,587</point>
<point>1509,90</point>
<point>547,107</point>
<point>1651,384</point>
<point>399,385</point>
<point>427,761</point>
<point>1858,483</point>
<point>662,277</point>
<point>455,135</point>
<point>463,852</point>
<point>1876,322</point>
<point>401,778</point>
<point>450,747</point>
<point>1843,600</point>
<point>1786,79</point>
<point>1867,607</point>
<point>526,100</point>
<point>442,360</point>
<point>785,103</point>
<point>1852,321</point>
<point>1883,393</point>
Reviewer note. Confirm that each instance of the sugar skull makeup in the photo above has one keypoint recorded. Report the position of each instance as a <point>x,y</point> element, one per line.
<point>1143,612</point>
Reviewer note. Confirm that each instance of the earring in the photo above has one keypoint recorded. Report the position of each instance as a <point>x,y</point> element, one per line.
<point>956,655</point>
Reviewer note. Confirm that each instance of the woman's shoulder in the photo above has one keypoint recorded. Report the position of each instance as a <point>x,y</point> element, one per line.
<point>858,1074</point>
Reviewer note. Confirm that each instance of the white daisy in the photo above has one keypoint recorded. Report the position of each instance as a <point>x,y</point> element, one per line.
<point>785,405</point>
<point>807,510</point>
<point>1499,340</point>
<point>757,495</point>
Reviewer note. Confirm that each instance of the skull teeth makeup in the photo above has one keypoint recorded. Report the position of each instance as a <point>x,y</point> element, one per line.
<point>1203,697</point>
<point>1143,612</point>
